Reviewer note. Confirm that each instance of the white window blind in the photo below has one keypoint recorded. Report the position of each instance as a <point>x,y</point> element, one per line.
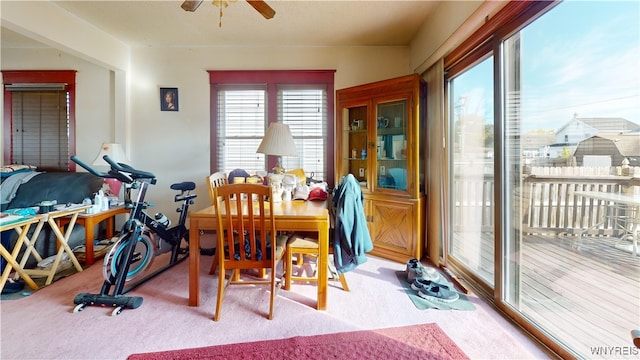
<point>40,134</point>
<point>247,102</point>
<point>241,127</point>
<point>304,109</point>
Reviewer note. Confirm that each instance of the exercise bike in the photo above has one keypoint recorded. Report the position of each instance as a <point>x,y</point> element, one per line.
<point>142,238</point>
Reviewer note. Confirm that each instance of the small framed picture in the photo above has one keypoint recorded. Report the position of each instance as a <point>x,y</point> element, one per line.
<point>169,99</point>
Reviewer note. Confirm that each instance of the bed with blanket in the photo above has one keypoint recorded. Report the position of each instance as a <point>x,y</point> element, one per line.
<point>23,186</point>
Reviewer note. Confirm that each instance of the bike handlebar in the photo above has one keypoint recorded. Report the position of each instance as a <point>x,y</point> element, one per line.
<point>119,171</point>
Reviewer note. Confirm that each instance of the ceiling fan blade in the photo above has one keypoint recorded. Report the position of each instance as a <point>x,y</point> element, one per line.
<point>191,5</point>
<point>262,8</point>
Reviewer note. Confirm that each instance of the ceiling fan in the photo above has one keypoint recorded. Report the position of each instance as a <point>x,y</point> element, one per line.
<point>261,6</point>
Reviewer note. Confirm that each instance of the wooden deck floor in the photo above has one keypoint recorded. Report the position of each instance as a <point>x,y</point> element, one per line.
<point>585,293</point>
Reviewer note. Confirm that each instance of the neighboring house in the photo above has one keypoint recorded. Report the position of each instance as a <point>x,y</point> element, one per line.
<point>533,143</point>
<point>569,136</point>
<point>616,147</point>
<point>578,129</point>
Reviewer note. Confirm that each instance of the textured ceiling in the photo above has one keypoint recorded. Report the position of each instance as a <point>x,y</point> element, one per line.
<point>296,23</point>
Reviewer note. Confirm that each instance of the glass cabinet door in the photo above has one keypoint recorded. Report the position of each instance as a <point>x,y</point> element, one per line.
<point>354,150</point>
<point>391,145</point>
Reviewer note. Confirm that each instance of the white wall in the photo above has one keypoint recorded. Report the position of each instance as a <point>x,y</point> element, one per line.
<point>175,145</point>
<point>46,22</point>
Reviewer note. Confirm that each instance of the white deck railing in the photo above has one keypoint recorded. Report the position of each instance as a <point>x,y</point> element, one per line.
<point>547,202</point>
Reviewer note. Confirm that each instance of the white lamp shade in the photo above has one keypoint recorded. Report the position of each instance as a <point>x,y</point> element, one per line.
<point>115,152</point>
<point>278,141</point>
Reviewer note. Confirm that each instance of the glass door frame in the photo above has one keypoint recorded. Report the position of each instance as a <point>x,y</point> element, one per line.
<point>488,40</point>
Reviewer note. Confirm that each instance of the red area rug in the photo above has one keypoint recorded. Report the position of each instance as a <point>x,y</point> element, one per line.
<point>425,341</point>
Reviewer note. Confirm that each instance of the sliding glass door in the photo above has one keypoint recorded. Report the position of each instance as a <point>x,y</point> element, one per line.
<point>471,195</point>
<point>544,134</point>
<point>571,109</point>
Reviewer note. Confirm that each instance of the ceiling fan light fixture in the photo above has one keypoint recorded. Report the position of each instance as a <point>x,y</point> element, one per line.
<point>222,3</point>
<point>263,8</point>
<point>259,5</point>
<point>191,5</point>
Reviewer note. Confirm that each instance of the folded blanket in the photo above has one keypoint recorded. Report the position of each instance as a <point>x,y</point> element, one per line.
<point>9,170</point>
<point>11,184</point>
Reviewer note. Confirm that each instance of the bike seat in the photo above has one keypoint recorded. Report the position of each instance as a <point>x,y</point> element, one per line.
<point>184,186</point>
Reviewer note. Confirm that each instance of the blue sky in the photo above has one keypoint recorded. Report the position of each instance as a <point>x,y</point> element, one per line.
<point>581,57</point>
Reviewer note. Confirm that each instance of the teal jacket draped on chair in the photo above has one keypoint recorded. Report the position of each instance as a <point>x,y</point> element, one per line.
<point>351,238</point>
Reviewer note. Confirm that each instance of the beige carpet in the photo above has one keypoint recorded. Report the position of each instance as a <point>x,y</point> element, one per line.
<point>65,268</point>
<point>43,326</point>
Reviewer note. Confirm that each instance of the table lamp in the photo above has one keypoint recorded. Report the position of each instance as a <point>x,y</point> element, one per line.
<point>116,153</point>
<point>279,142</point>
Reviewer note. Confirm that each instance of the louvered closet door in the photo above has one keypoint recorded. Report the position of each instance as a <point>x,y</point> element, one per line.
<point>40,129</point>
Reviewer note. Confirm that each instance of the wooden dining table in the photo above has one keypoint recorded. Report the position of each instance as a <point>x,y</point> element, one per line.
<point>295,215</point>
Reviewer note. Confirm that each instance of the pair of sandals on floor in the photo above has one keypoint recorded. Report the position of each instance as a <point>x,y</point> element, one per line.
<point>424,280</point>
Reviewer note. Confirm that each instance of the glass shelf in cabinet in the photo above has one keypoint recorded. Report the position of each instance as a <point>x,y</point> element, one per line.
<point>391,131</point>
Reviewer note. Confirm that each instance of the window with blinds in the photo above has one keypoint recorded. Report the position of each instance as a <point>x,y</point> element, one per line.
<point>245,102</point>
<point>40,129</point>
<point>304,109</point>
<point>242,123</point>
<point>241,127</point>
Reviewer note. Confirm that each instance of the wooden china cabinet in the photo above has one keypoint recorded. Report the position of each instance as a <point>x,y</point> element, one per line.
<point>380,140</point>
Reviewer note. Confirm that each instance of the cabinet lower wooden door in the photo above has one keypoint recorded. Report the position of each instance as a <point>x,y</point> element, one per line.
<point>393,226</point>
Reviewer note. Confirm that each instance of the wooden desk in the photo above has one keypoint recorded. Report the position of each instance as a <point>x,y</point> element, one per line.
<point>296,215</point>
<point>631,222</point>
<point>22,226</point>
<point>89,221</point>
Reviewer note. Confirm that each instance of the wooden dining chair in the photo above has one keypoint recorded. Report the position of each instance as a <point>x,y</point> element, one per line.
<point>213,181</point>
<point>303,243</point>
<point>299,245</point>
<point>250,240</point>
